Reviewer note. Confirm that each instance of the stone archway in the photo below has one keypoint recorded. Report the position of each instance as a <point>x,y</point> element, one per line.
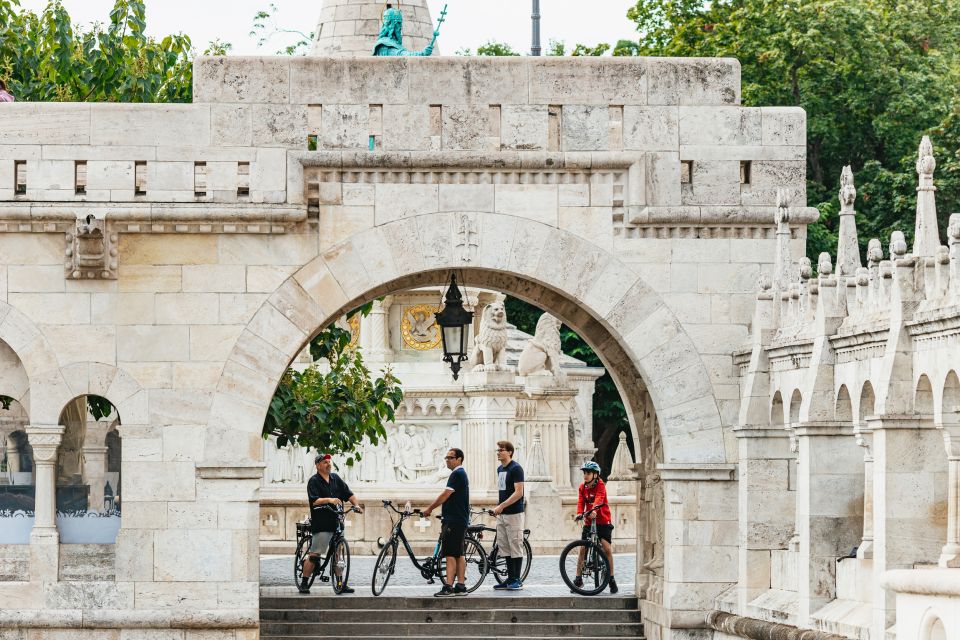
<point>617,313</point>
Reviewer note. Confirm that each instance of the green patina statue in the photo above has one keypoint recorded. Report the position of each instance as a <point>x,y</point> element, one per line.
<point>390,41</point>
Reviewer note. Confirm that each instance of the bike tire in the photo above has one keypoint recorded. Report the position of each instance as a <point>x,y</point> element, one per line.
<point>340,560</point>
<point>303,547</point>
<point>477,565</point>
<point>596,569</point>
<point>383,569</point>
<point>498,565</point>
<point>527,560</point>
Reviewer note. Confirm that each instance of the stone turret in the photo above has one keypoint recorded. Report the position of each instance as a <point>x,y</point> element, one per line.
<point>349,28</point>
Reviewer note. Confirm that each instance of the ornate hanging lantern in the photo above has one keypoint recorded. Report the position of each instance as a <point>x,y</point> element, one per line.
<point>454,322</point>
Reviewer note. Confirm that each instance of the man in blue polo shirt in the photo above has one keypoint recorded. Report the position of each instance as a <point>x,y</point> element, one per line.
<point>455,499</point>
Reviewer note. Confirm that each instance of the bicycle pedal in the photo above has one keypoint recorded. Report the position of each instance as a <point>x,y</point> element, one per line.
<point>324,578</point>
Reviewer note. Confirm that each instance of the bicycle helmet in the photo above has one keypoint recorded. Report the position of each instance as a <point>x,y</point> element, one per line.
<point>590,466</point>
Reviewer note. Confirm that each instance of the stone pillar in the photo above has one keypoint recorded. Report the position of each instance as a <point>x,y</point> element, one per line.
<point>44,539</point>
<point>700,560</point>
<point>552,422</point>
<point>909,491</point>
<point>766,506</point>
<point>95,461</point>
<point>864,439</point>
<point>491,411</point>
<point>830,509</point>
<point>375,332</point>
<point>950,555</point>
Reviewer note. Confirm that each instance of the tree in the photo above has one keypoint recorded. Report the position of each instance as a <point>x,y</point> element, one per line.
<point>45,58</point>
<point>265,27</point>
<point>333,410</point>
<point>873,77</point>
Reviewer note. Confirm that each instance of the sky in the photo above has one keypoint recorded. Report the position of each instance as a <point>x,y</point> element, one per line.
<point>470,23</point>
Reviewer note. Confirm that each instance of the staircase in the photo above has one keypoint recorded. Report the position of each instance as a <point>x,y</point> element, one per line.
<point>475,616</point>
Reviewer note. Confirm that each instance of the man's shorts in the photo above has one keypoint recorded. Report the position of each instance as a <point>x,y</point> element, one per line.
<point>321,543</point>
<point>510,534</point>
<point>604,531</point>
<point>452,545</point>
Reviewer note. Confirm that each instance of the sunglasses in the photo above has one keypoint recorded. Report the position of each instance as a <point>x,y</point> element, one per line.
<point>450,458</point>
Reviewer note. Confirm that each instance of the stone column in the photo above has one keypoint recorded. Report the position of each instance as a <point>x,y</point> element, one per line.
<point>950,555</point>
<point>830,509</point>
<point>766,506</point>
<point>552,421</point>
<point>864,439</point>
<point>95,461</point>
<point>491,411</point>
<point>375,332</point>
<point>909,491</point>
<point>44,539</point>
<point>700,560</point>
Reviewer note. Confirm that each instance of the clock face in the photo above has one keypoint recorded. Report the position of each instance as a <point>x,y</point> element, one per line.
<point>419,327</point>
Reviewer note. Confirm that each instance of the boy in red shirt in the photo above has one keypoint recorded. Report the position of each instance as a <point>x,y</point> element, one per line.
<point>591,493</point>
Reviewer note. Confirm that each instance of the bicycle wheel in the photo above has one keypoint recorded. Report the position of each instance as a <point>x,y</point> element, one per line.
<point>382,571</point>
<point>477,566</point>
<point>340,566</point>
<point>527,560</point>
<point>595,568</point>
<point>498,565</point>
<point>302,549</point>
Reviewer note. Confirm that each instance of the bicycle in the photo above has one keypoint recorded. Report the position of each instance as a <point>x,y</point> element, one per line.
<point>338,551</point>
<point>498,564</point>
<point>588,556</point>
<point>430,567</point>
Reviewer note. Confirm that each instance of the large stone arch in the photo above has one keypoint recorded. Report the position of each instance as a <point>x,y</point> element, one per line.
<point>586,286</point>
<point>47,388</point>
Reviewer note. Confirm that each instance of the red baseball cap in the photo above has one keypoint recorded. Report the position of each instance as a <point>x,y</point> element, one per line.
<point>321,457</point>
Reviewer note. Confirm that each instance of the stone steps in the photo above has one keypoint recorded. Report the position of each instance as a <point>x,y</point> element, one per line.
<point>527,617</point>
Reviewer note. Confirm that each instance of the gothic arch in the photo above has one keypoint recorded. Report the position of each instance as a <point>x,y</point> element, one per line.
<point>950,400</point>
<point>923,397</point>
<point>843,411</point>
<point>776,410</point>
<point>46,387</point>
<point>868,402</point>
<point>796,401</point>
<point>626,322</point>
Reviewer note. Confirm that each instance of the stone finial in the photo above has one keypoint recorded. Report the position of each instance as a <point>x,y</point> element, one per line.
<point>824,265</point>
<point>898,245</point>
<point>848,192</point>
<point>764,282</point>
<point>622,467</point>
<point>863,277</point>
<point>848,246</point>
<point>806,270</point>
<point>874,252</point>
<point>783,207</point>
<point>537,469</point>
<point>953,229</point>
<point>926,163</point>
<point>926,236</point>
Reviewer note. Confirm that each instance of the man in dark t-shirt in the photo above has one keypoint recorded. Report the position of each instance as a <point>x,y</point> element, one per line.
<point>325,488</point>
<point>455,499</point>
<point>509,514</point>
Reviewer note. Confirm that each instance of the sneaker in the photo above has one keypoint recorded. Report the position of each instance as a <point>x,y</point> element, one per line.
<point>578,582</point>
<point>347,589</point>
<point>500,586</point>
<point>514,585</point>
<point>303,587</point>
<point>445,592</point>
<point>460,590</point>
<point>613,585</point>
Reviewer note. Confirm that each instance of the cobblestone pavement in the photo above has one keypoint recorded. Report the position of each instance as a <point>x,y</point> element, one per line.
<point>277,571</point>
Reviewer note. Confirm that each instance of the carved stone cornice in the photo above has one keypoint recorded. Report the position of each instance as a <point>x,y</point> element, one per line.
<point>785,355</point>
<point>860,345</point>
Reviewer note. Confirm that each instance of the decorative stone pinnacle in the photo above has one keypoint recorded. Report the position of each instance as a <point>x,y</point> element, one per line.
<point>898,245</point>
<point>863,277</point>
<point>848,192</point>
<point>805,269</point>
<point>953,228</point>
<point>825,264</point>
<point>926,163</point>
<point>874,251</point>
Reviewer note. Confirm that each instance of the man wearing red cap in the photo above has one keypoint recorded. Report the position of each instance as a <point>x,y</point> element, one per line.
<point>325,488</point>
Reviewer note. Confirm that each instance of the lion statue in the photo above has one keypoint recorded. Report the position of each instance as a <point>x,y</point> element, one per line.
<point>490,344</point>
<point>541,354</point>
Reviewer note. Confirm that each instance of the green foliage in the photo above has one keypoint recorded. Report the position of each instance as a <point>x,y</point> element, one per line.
<point>265,27</point>
<point>333,411</point>
<point>5,402</point>
<point>45,58</point>
<point>495,49</point>
<point>98,407</point>
<point>609,414</point>
<point>873,77</point>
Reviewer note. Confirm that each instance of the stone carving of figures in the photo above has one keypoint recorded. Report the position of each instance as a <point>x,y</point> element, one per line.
<point>368,463</point>
<point>541,354</point>
<point>404,458</point>
<point>490,344</point>
<point>282,470</point>
<point>537,465</point>
<point>518,446</point>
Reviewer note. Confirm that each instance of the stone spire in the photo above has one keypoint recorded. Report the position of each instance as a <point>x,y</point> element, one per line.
<point>848,248</point>
<point>783,263</point>
<point>926,237</point>
<point>349,28</point>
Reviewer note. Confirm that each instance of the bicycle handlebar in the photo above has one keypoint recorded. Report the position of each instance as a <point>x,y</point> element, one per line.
<point>588,512</point>
<point>338,509</point>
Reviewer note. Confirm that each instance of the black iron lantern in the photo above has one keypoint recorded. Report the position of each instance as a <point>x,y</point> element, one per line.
<point>454,322</point>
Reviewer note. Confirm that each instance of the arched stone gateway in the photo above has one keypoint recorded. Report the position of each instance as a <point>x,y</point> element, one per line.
<point>636,334</point>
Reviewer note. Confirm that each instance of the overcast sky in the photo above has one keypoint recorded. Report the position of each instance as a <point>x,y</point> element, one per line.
<point>470,23</point>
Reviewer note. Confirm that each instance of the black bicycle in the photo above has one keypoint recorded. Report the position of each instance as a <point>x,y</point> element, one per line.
<point>496,562</point>
<point>337,557</point>
<point>586,559</point>
<point>430,567</point>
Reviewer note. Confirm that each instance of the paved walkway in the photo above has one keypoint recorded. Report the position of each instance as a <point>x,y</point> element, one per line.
<point>543,580</point>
